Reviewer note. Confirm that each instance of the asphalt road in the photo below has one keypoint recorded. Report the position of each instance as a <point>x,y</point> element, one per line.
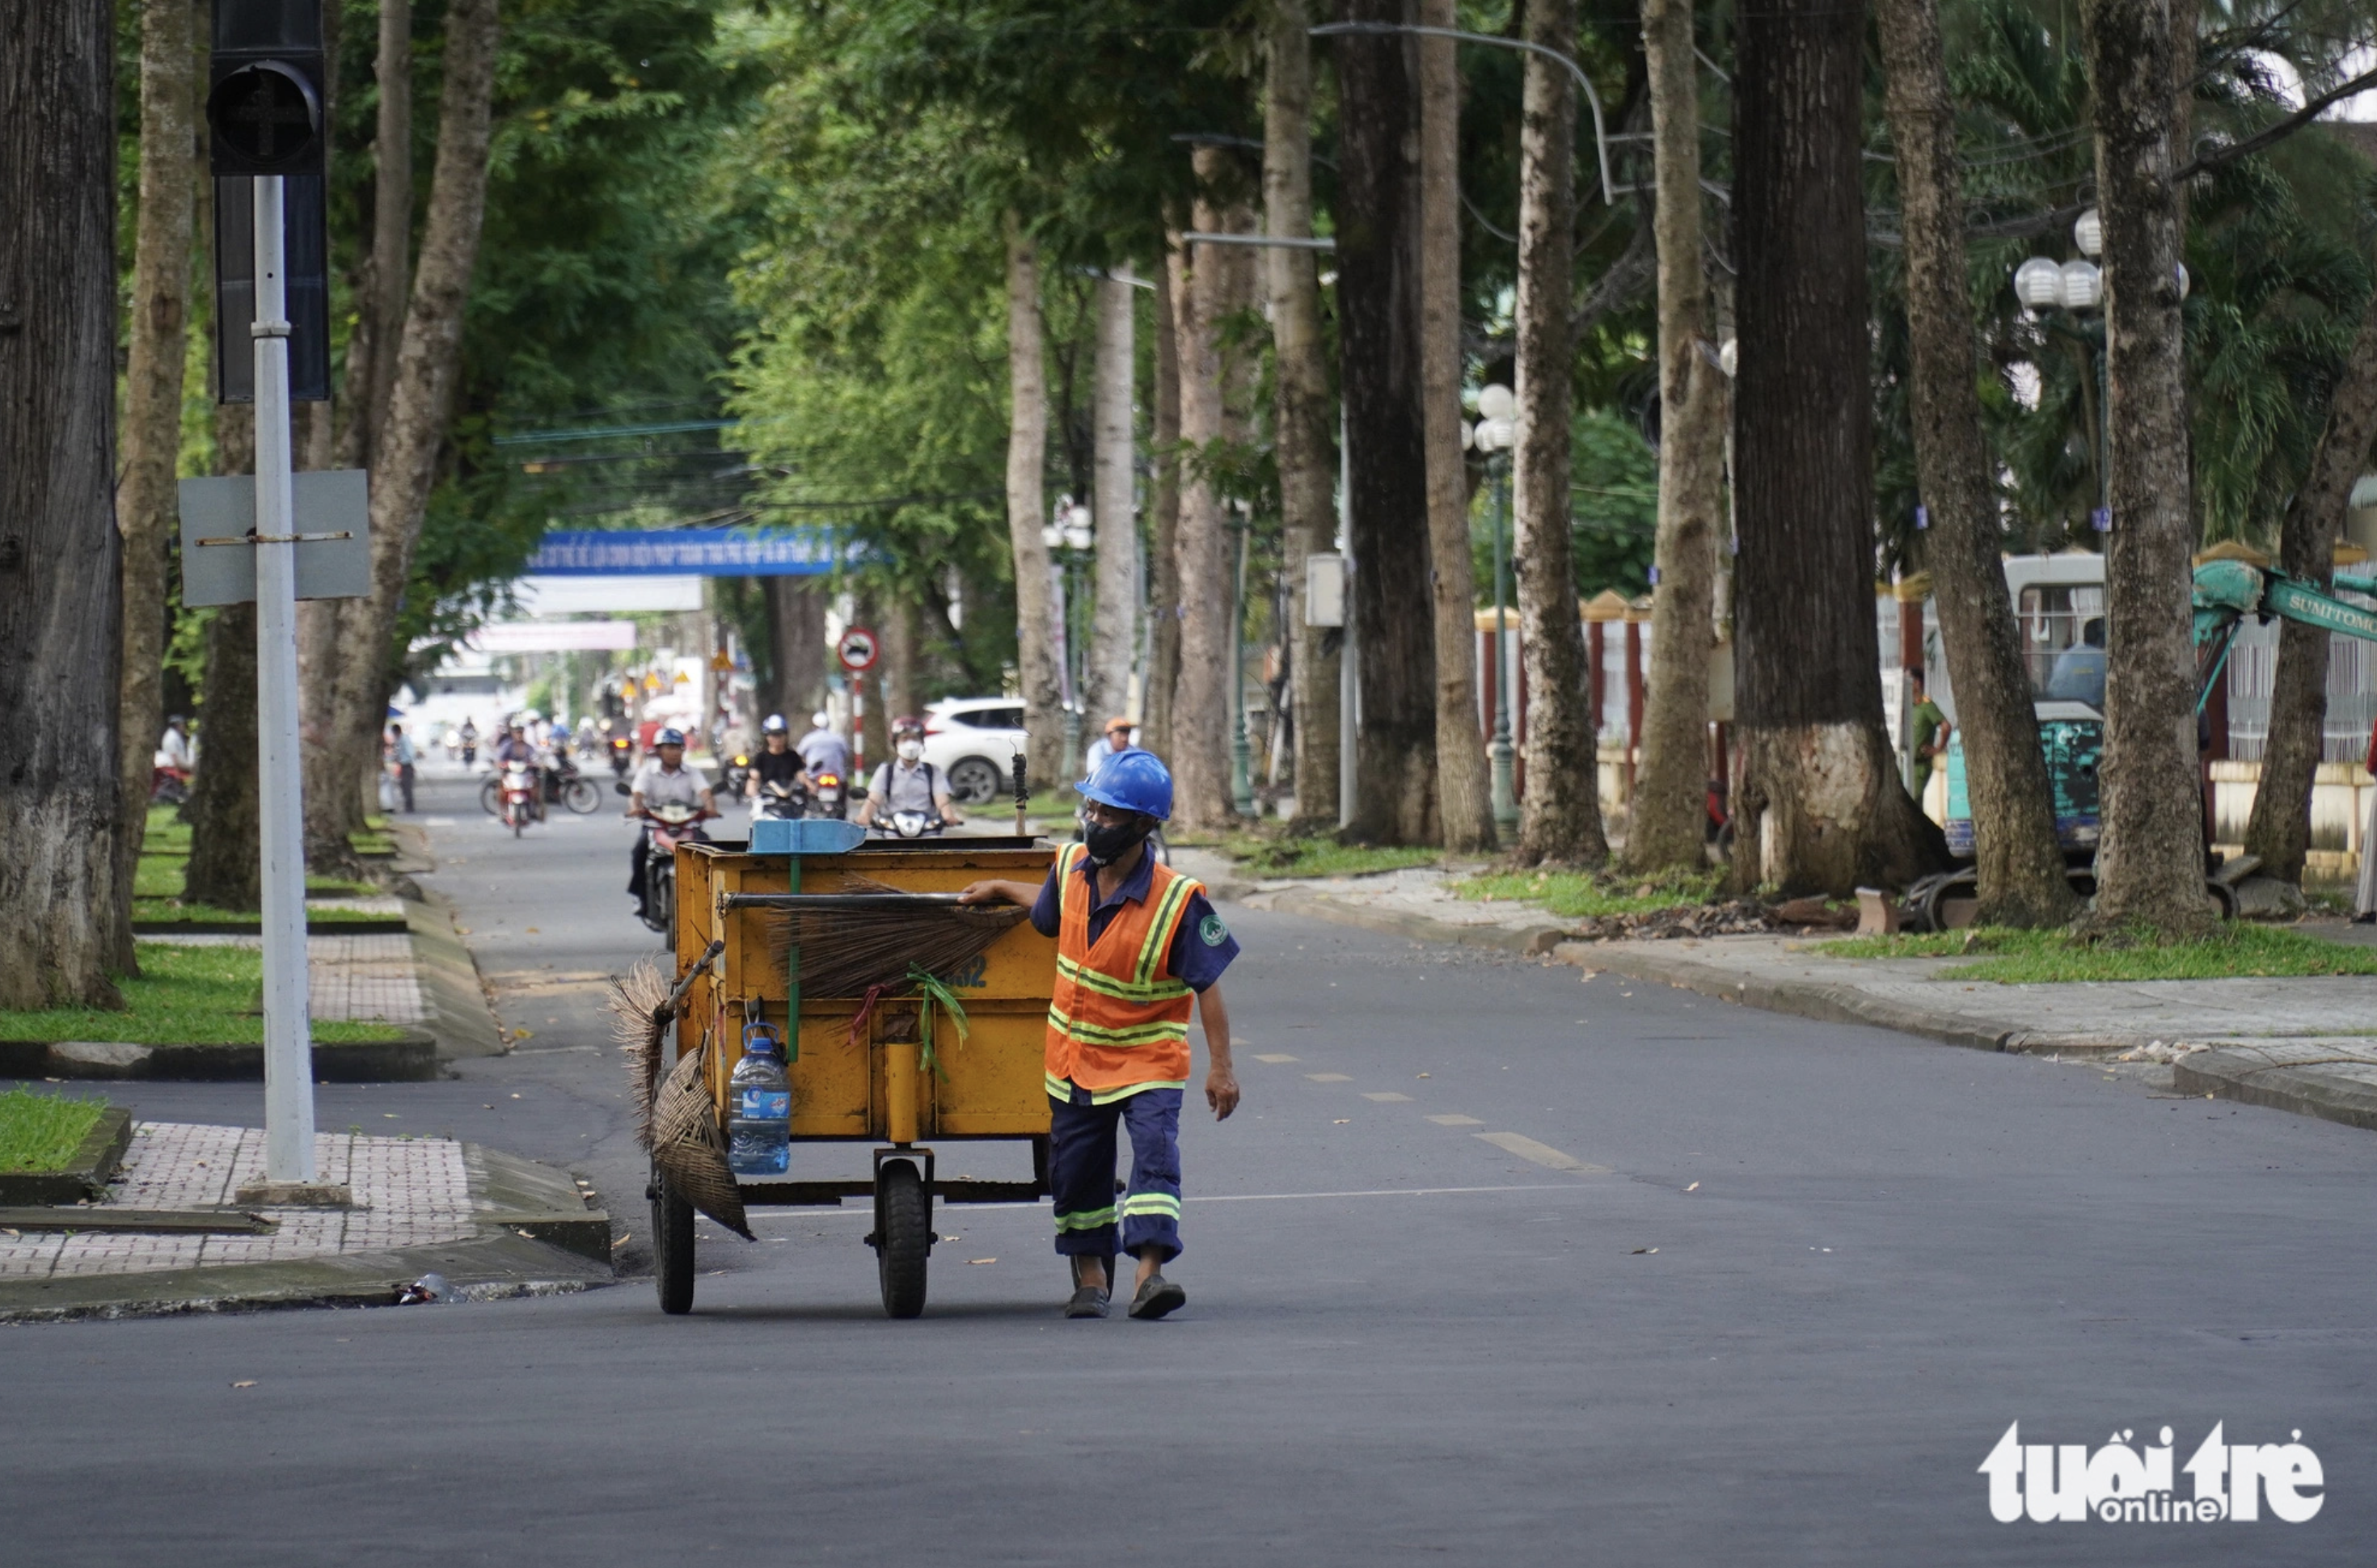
<point>1804,1281</point>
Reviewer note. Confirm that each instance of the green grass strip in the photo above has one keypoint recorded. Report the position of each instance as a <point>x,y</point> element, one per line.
<point>40,1132</point>
<point>1323,857</point>
<point>183,996</point>
<point>2239,950</point>
<point>1582,894</point>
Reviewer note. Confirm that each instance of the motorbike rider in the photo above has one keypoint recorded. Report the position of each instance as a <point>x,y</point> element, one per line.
<point>517,747</point>
<point>909,784</point>
<point>777,763</point>
<point>821,749</point>
<point>469,741</point>
<point>665,780</point>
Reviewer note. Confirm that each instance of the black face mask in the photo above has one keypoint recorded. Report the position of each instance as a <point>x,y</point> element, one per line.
<point>1106,845</point>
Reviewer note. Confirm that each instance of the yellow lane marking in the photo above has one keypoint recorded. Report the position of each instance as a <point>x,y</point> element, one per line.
<point>1389,1096</point>
<point>1542,1154</point>
<point>1457,1121</point>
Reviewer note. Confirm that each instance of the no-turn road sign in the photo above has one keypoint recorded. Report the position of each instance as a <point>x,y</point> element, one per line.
<point>857,650</point>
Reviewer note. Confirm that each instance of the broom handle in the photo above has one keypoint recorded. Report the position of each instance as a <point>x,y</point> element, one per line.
<point>1022,795</point>
<point>667,1010</point>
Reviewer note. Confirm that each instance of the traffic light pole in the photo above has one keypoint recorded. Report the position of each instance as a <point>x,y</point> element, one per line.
<point>288,1031</point>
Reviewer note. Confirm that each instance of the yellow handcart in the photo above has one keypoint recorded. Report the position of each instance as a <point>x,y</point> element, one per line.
<point>861,1067</point>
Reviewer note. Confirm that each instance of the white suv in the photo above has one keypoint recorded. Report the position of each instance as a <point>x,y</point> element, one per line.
<point>974,740</point>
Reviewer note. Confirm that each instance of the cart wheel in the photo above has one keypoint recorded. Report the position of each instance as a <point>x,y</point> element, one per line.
<point>671,1248</point>
<point>902,1238</point>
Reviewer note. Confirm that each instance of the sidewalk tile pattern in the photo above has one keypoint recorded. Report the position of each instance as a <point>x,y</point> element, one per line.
<point>350,978</point>
<point>408,1192</point>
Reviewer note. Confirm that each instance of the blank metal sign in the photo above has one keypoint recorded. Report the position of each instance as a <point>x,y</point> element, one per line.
<point>331,502</point>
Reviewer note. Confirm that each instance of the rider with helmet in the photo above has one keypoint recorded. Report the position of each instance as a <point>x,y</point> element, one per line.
<point>909,783</point>
<point>777,762</point>
<point>666,779</point>
<point>1117,1044</point>
<point>821,749</point>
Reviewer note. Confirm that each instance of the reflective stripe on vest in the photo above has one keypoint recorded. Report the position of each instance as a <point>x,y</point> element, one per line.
<point>1117,1018</point>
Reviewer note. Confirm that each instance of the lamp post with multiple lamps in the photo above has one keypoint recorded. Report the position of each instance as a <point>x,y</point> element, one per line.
<point>1069,537</point>
<point>2075,289</point>
<point>1494,434</point>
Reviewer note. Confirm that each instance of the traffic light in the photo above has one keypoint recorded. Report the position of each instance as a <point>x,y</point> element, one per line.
<point>264,88</point>
<point>264,117</point>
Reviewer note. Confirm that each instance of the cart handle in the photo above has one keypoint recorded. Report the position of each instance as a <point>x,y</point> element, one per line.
<point>839,900</point>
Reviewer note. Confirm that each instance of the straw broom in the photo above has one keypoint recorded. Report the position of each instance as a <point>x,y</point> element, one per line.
<point>870,935</point>
<point>675,1118</point>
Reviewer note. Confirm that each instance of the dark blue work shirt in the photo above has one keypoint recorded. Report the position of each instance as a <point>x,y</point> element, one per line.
<point>1202,946</point>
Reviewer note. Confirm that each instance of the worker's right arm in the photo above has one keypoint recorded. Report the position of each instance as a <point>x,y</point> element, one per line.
<point>993,891</point>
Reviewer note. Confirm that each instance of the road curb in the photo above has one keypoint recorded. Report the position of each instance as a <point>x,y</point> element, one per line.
<point>86,1173</point>
<point>462,1017</point>
<point>536,1237</point>
<point>409,1058</point>
<point>2247,1075</point>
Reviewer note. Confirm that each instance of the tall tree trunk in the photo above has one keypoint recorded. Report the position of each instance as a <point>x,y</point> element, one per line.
<point>60,811</point>
<point>1464,802</point>
<point>1378,340</point>
<point>146,502</point>
<point>386,272</point>
<point>1027,510</point>
<point>2279,830</point>
<point>1559,820</point>
<point>428,364</point>
<point>795,648</point>
<point>1115,632</point>
<point>2150,864</point>
<point>1302,443</point>
<point>900,648</point>
<point>2017,858</point>
<point>1199,754</point>
<point>1664,827</point>
<point>1163,676</point>
<point>226,805</point>
<point>1822,807</point>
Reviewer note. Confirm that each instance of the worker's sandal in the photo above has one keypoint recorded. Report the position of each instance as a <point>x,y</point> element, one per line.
<point>1158,1297</point>
<point>1089,1300</point>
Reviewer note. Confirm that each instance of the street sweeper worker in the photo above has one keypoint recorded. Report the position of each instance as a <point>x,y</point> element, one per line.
<point>1137,949</point>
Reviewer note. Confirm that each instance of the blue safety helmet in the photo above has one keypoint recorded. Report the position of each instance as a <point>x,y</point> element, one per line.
<point>668,737</point>
<point>1132,782</point>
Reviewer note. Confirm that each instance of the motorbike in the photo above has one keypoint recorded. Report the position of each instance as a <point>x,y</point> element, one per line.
<point>738,772</point>
<point>518,792</point>
<point>622,755</point>
<point>169,785</point>
<point>909,825</point>
<point>825,796</point>
<point>563,784</point>
<point>671,824</point>
<point>780,801</point>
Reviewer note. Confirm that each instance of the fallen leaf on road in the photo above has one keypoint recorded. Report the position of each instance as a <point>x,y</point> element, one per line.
<point>515,1097</point>
<point>463,928</point>
<point>982,1260</point>
<point>523,1034</point>
<point>1693,1188</point>
<point>1342,1121</point>
<point>531,931</point>
<point>1639,1251</point>
<point>1423,1075</point>
<point>623,1240</point>
<point>12,1235</point>
<point>245,1383</point>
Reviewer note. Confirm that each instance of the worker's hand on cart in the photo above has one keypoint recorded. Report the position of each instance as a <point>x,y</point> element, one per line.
<point>992,891</point>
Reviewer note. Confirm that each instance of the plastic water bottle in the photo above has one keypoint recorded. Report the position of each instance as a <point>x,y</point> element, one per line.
<point>760,1113</point>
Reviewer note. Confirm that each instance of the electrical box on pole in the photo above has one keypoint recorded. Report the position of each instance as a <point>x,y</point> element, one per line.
<point>264,97</point>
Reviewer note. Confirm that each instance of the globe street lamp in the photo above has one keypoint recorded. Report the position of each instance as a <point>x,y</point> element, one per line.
<point>1068,536</point>
<point>2074,289</point>
<point>1495,432</point>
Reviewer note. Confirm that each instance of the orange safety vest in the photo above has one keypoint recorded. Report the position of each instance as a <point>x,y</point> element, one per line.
<point>1117,1019</point>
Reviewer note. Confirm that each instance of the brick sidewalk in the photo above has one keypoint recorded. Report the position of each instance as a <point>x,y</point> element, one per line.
<point>408,1192</point>
<point>350,979</point>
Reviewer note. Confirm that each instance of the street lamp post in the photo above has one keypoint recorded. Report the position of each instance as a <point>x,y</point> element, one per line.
<point>2076,288</point>
<point>1069,538</point>
<point>1494,435</point>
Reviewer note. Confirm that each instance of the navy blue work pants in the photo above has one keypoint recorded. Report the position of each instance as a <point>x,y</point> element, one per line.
<point>1082,1140</point>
